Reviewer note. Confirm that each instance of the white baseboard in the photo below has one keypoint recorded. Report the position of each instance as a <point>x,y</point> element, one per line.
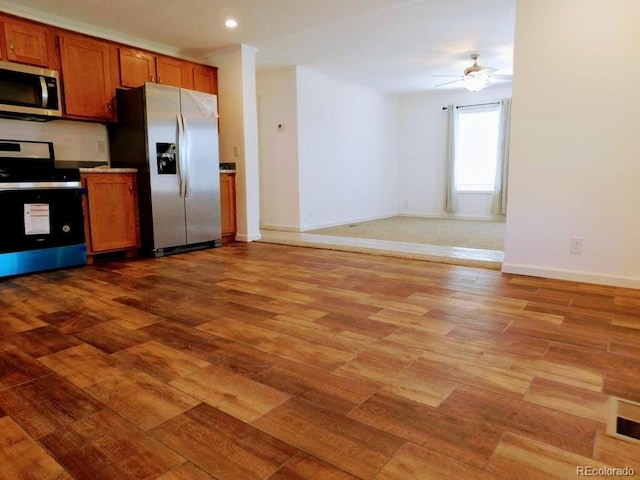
<point>289,228</point>
<point>486,218</point>
<point>279,228</point>
<point>248,238</point>
<point>583,277</point>
<point>346,222</point>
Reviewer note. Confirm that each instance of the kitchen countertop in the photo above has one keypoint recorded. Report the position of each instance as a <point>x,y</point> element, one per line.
<point>108,170</point>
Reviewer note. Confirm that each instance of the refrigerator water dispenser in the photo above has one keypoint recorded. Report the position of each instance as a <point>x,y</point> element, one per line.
<point>166,157</point>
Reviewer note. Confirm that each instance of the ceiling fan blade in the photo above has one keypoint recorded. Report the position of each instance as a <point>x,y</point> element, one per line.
<point>500,76</point>
<point>448,83</point>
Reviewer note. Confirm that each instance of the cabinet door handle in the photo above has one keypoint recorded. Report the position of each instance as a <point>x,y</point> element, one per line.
<point>12,47</point>
<point>131,189</point>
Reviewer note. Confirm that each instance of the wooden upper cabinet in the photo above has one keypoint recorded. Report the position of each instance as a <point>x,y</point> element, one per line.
<point>89,77</point>
<point>136,67</point>
<point>205,79</point>
<point>26,42</point>
<point>174,72</point>
<point>92,68</point>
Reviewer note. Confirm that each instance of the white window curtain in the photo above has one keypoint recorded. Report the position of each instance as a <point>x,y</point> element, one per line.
<point>451,197</point>
<point>499,202</point>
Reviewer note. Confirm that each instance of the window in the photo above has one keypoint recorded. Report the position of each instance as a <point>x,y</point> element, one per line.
<point>477,148</point>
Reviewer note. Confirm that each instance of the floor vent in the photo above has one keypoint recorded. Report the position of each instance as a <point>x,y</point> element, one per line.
<point>624,419</point>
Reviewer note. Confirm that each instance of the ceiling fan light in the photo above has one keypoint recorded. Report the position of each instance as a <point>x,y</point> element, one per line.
<point>475,83</point>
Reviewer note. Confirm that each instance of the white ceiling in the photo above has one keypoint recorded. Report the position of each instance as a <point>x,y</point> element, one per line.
<point>391,45</point>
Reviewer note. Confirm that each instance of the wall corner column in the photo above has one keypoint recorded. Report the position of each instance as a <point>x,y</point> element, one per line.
<point>239,132</point>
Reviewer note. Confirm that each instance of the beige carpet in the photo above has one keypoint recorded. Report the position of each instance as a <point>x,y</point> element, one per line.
<point>486,235</point>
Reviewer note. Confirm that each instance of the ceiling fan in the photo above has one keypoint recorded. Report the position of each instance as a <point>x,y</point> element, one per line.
<point>475,77</point>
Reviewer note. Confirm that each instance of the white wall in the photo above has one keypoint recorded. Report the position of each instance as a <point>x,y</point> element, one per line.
<point>279,192</point>
<point>251,222</point>
<point>238,128</point>
<point>575,156</point>
<point>72,141</point>
<point>423,150</point>
<point>348,151</point>
<point>335,162</point>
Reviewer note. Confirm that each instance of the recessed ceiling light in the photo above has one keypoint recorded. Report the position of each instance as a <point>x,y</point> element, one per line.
<point>231,23</point>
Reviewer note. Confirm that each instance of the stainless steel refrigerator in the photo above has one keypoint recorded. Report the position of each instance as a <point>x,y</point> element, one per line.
<point>171,136</point>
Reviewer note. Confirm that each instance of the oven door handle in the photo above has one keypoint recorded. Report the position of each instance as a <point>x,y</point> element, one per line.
<point>39,185</point>
<point>45,92</point>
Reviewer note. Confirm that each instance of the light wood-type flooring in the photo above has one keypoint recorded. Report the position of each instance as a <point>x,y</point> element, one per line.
<point>261,361</point>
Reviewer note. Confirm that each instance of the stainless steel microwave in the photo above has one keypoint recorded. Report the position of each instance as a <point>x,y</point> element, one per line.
<point>29,93</point>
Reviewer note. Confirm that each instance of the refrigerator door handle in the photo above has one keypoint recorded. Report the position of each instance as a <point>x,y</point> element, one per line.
<point>185,133</point>
<point>182,171</point>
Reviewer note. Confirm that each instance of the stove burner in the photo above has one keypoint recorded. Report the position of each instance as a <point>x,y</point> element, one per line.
<point>23,162</point>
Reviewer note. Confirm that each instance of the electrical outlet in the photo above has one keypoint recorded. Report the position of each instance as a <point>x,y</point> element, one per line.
<point>236,151</point>
<point>576,244</point>
<point>101,146</point>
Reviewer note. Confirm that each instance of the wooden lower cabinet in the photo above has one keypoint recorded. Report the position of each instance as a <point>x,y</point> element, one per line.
<point>228,206</point>
<point>111,213</point>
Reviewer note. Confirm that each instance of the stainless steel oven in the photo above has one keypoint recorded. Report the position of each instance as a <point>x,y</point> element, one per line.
<point>41,210</point>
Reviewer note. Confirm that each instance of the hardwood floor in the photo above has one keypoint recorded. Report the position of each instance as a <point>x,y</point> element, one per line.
<point>261,361</point>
